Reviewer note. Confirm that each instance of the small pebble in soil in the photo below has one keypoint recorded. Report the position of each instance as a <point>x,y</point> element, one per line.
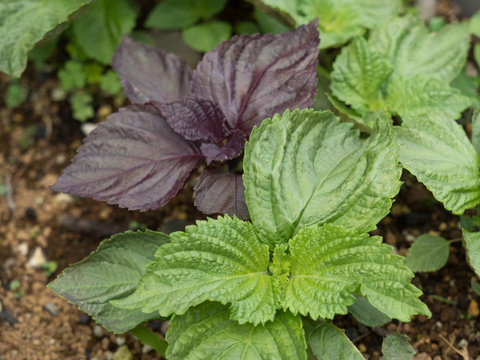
<point>83,319</point>
<point>473,308</point>
<point>123,353</point>
<point>7,315</point>
<point>87,128</point>
<point>38,258</point>
<point>1,307</point>
<point>120,341</point>
<point>98,331</point>
<point>31,213</point>
<point>51,308</point>
<point>22,249</point>
<point>63,198</point>
<point>108,355</point>
<point>146,349</point>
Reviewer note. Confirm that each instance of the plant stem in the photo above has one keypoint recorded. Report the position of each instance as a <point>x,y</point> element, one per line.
<point>455,240</point>
<point>148,337</point>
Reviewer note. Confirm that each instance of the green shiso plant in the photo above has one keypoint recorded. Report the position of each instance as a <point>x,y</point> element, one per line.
<point>268,288</point>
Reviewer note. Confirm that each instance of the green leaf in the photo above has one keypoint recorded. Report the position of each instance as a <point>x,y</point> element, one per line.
<point>472,246</point>
<point>93,72</point>
<point>110,83</point>
<point>367,314</point>
<point>412,97</point>
<point>328,342</point>
<point>72,76</point>
<point>81,104</point>
<point>179,14</point>
<point>16,95</point>
<point>329,263</point>
<point>24,23</point>
<point>218,260</point>
<point>413,51</point>
<point>397,347</point>
<point>246,27</point>
<point>206,37</point>
<point>475,24</point>
<point>305,168</point>
<point>99,31</point>
<point>428,253</point>
<point>476,130</point>
<point>269,24</point>
<point>436,150</point>
<point>147,336</point>
<point>111,272</point>
<point>358,75</point>
<point>208,332</point>
<point>475,287</point>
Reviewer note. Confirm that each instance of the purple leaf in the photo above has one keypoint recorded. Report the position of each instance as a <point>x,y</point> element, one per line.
<point>148,74</point>
<point>134,159</point>
<point>219,192</point>
<point>195,119</point>
<point>233,146</point>
<point>252,78</point>
<point>202,120</point>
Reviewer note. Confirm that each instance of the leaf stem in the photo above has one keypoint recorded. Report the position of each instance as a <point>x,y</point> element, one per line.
<point>148,337</point>
<point>455,240</point>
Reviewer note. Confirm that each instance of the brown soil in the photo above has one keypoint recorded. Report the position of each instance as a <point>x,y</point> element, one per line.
<point>37,324</point>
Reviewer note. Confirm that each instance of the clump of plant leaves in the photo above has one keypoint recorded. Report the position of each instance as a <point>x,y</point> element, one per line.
<point>248,290</point>
<point>142,156</point>
<point>438,152</point>
<point>403,68</point>
<point>340,20</point>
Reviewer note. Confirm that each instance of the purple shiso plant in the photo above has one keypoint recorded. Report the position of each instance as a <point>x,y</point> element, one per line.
<point>141,156</point>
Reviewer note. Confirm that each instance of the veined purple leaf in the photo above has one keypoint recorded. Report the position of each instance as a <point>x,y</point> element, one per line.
<point>202,120</point>
<point>252,78</point>
<point>195,119</point>
<point>231,147</point>
<point>219,192</point>
<point>134,159</point>
<point>148,74</point>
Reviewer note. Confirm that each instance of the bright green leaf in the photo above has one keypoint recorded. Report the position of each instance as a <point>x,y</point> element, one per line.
<point>110,83</point>
<point>397,347</point>
<point>208,332</point>
<point>472,246</point>
<point>328,342</point>
<point>269,24</point>
<point>179,14</point>
<point>93,72</point>
<point>72,76</point>
<point>437,151</point>
<point>428,253</point>
<point>358,75</point>
<point>111,272</point>
<point>414,96</point>
<point>81,104</point>
<point>24,23</point>
<point>305,168</point>
<point>413,51</point>
<point>367,314</point>
<point>329,263</point>
<point>218,260</point>
<point>99,31</point>
<point>207,36</point>
<point>16,95</point>
<point>475,24</point>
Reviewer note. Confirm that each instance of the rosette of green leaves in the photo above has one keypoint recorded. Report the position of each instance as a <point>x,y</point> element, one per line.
<point>314,188</point>
<point>340,20</point>
<point>402,68</point>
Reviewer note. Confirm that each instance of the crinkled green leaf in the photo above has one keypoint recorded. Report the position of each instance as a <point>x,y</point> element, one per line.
<point>207,36</point>
<point>208,332</point>
<point>99,31</point>
<point>112,272</point>
<point>437,151</point>
<point>179,14</point>
<point>397,347</point>
<point>472,245</point>
<point>367,314</point>
<point>219,260</point>
<point>328,342</point>
<point>428,253</point>
<point>413,50</point>
<point>328,263</point>
<point>414,96</point>
<point>24,23</point>
<point>358,74</point>
<point>305,168</point>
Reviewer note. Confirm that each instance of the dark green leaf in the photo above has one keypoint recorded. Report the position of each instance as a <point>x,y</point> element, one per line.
<point>428,253</point>
<point>397,347</point>
<point>328,342</point>
<point>206,37</point>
